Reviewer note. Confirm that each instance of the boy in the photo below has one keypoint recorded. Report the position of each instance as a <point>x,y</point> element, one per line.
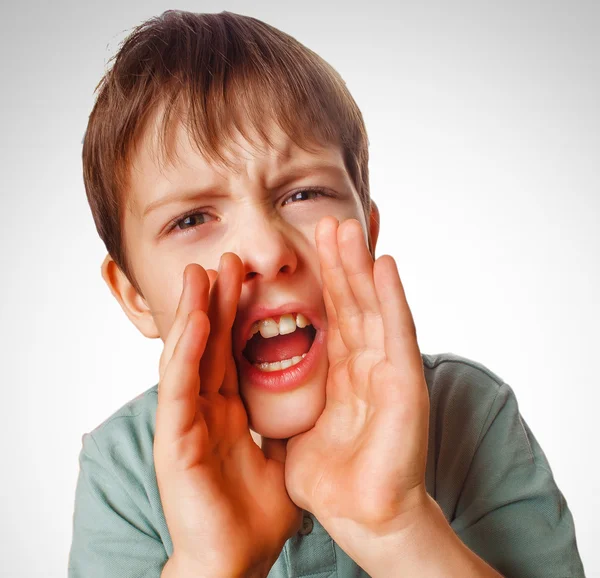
<point>375,459</point>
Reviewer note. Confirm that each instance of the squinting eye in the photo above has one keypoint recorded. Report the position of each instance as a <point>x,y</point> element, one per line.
<point>191,216</point>
<point>311,191</point>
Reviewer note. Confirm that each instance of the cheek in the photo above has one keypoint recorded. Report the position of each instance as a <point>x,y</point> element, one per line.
<point>341,211</point>
<point>164,317</point>
<point>164,295</point>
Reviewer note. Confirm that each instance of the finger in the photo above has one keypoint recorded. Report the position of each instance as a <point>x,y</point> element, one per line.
<point>400,336</point>
<point>224,298</point>
<point>274,449</point>
<point>212,275</point>
<point>230,385</point>
<point>349,315</point>
<point>196,286</point>
<point>178,393</point>
<point>336,348</point>
<point>358,265</point>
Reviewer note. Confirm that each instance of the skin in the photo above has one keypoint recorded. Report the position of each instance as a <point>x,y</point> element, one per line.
<point>275,243</point>
<point>357,457</point>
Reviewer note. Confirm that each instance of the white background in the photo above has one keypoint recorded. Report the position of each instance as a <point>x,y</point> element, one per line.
<point>484,126</point>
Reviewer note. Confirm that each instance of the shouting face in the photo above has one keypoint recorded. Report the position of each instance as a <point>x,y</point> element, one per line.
<point>265,209</point>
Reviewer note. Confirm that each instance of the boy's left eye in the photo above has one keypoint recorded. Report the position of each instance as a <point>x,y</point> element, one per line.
<point>309,191</point>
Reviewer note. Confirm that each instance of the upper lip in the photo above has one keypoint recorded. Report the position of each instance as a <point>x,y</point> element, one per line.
<point>245,319</point>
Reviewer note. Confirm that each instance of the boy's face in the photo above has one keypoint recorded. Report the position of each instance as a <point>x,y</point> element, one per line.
<point>256,212</point>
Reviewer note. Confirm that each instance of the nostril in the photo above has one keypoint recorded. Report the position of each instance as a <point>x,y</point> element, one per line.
<point>284,269</point>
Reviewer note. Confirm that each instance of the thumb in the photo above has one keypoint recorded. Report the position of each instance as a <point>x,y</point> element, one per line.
<point>274,449</point>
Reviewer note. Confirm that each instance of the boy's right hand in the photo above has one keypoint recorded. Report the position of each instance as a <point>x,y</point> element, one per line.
<point>224,500</point>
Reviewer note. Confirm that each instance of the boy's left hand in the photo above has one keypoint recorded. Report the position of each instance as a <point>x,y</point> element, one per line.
<point>361,469</point>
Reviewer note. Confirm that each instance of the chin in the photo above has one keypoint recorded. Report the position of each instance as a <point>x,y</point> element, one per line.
<point>283,403</point>
<point>282,415</point>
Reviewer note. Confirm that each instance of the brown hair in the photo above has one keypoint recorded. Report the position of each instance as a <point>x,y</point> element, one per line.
<point>222,69</point>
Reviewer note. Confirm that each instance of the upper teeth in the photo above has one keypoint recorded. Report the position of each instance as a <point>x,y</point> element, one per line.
<point>287,324</point>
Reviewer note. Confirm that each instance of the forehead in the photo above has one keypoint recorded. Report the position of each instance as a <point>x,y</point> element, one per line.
<point>161,161</point>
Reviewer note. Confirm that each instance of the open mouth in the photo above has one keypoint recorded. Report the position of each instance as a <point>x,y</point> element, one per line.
<point>279,343</point>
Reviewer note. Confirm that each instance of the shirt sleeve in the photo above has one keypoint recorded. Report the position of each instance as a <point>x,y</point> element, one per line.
<point>510,511</point>
<point>111,536</point>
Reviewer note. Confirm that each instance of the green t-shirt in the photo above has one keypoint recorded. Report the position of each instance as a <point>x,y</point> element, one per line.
<point>485,469</point>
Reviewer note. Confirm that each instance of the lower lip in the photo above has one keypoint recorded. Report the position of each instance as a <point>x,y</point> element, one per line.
<point>284,379</point>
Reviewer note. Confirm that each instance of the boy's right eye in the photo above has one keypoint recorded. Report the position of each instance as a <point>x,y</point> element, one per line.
<point>188,217</point>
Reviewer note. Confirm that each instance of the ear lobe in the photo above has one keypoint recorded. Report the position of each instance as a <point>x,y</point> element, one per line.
<point>374,226</point>
<point>132,303</point>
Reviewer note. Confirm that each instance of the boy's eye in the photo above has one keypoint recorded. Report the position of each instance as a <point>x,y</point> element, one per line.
<point>307,192</point>
<point>187,221</point>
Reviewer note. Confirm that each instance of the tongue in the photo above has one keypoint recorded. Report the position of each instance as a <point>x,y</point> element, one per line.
<point>261,350</point>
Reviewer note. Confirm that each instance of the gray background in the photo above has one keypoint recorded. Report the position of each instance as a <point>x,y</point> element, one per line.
<point>485,146</point>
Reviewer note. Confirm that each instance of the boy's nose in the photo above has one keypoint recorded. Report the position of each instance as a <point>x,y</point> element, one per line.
<point>266,250</point>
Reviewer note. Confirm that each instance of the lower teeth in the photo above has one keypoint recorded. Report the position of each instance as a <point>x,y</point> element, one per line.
<point>278,365</point>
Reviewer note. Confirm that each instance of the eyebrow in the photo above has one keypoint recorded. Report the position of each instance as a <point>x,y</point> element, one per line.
<point>295,172</point>
<point>188,195</point>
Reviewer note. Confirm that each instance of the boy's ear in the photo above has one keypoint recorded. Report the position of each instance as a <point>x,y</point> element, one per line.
<point>129,299</point>
<point>374,225</point>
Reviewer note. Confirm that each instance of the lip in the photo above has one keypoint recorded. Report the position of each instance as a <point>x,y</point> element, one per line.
<point>284,379</point>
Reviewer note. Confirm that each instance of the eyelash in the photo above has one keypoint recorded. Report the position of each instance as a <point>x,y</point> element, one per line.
<point>175,223</point>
